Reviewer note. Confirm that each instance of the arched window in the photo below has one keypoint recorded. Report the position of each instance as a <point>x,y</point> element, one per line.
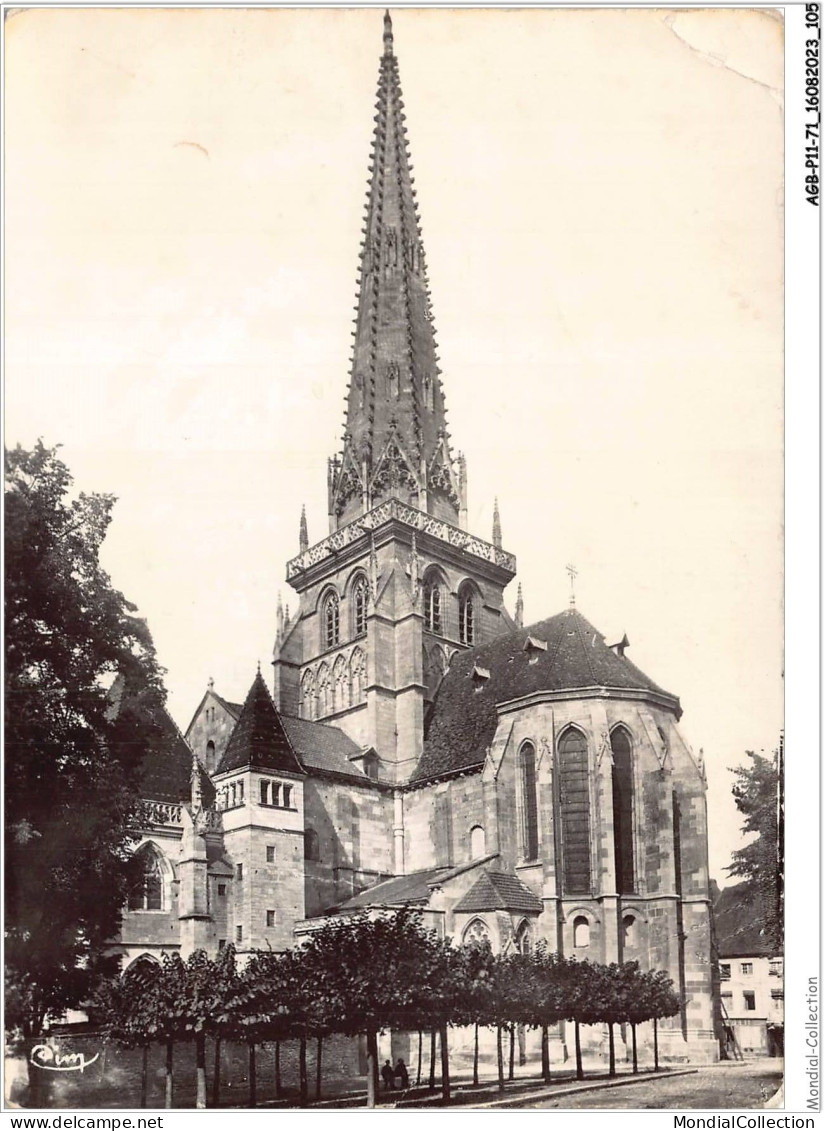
<point>477,842</point>
<point>574,788</point>
<point>529,803</point>
<point>147,894</point>
<point>476,933</point>
<point>523,938</point>
<point>357,676</point>
<point>466,615</point>
<point>311,845</point>
<point>340,685</point>
<point>306,709</point>
<point>580,931</point>
<point>331,621</point>
<point>210,756</point>
<point>622,810</point>
<point>360,601</point>
<point>432,618</point>
<point>434,666</point>
<point>324,691</point>
<point>630,926</point>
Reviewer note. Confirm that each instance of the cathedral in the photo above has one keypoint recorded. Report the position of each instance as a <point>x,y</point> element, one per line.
<point>418,744</point>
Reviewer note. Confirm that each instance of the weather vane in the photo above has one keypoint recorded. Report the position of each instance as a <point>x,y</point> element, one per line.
<point>573,573</point>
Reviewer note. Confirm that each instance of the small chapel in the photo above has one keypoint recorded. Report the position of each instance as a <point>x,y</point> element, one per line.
<point>417,743</point>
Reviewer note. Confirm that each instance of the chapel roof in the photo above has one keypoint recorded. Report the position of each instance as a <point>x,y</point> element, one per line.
<point>259,740</point>
<point>499,891</point>
<point>324,749</point>
<point>563,653</point>
<point>415,887</point>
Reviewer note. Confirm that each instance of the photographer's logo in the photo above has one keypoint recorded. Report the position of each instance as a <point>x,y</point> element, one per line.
<point>53,1060</point>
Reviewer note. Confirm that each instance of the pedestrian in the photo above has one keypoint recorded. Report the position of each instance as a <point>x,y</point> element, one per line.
<point>388,1074</point>
<point>401,1073</point>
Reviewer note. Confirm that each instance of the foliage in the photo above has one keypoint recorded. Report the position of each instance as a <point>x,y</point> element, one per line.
<point>759,863</point>
<point>72,764</point>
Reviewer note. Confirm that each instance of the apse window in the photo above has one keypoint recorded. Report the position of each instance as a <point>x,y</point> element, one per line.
<point>580,931</point>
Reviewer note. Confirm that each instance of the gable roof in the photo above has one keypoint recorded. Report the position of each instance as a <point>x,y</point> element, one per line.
<point>259,740</point>
<point>416,887</point>
<point>232,709</point>
<point>499,891</point>
<point>464,718</point>
<point>739,924</point>
<point>324,749</point>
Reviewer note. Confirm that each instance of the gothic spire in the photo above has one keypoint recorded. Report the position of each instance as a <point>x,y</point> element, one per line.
<point>304,530</point>
<point>395,440</point>
<point>519,607</point>
<point>496,526</point>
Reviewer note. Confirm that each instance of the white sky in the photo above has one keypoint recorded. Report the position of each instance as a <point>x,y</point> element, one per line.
<point>601,201</point>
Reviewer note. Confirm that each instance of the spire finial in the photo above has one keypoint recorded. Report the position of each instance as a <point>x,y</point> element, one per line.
<point>210,684</point>
<point>496,526</point>
<point>573,573</point>
<point>197,787</point>
<point>387,33</point>
<point>304,529</point>
<point>519,607</point>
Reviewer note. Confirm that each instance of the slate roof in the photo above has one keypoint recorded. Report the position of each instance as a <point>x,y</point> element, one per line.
<point>463,720</point>
<point>739,925</point>
<point>324,748</point>
<point>416,887</point>
<point>499,891</point>
<point>259,740</point>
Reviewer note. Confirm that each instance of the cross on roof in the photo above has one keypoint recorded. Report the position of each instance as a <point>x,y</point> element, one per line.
<point>573,573</point>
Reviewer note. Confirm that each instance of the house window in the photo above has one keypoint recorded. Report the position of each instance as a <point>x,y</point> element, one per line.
<point>264,793</point>
<point>775,967</point>
<point>777,995</point>
<point>311,845</point>
<point>360,600</point>
<point>574,803</point>
<point>529,802</point>
<point>749,1000</point>
<point>580,931</point>
<point>726,994</point>
<point>270,918</point>
<point>148,892</point>
<point>432,606</point>
<point>477,842</point>
<point>270,854</point>
<point>622,809</point>
<point>466,616</point>
<point>239,871</point>
<point>331,620</point>
<point>746,968</point>
<point>725,971</point>
<point>221,944</point>
<point>238,933</point>
<point>221,889</point>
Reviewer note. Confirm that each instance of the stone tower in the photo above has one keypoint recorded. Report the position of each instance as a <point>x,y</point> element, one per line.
<point>398,585</point>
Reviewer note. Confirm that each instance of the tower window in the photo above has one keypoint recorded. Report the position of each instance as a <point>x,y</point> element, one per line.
<point>529,802</point>
<point>239,871</point>
<point>270,854</point>
<point>432,606</point>
<point>238,933</point>
<point>466,617</point>
<point>331,620</point>
<point>287,797</point>
<point>264,793</point>
<point>477,842</point>
<point>360,596</point>
<point>270,918</point>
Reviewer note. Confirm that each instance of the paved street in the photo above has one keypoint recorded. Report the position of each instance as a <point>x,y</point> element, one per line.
<point>724,1086</point>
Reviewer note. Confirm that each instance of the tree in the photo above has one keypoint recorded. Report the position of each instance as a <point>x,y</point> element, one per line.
<point>757,790</point>
<point>72,765</point>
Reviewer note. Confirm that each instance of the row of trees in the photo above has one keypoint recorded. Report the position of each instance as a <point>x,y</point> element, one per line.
<point>361,976</point>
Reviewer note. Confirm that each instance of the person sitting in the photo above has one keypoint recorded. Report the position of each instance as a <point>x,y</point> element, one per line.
<point>401,1074</point>
<point>388,1074</point>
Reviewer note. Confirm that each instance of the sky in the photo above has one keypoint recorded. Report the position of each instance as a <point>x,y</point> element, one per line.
<point>601,205</point>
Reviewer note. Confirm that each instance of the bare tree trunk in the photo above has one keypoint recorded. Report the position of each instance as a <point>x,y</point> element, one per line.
<point>545,1054</point>
<point>371,1067</point>
<point>511,1052</point>
<point>475,1058</point>
<point>200,1060</point>
<point>304,1081</point>
<point>420,1056</point>
<point>432,1049</point>
<point>500,1059</point>
<point>634,1049</point>
<point>318,1069</point>
<point>216,1075</point>
<point>579,1067</point>
<point>170,1053</point>
<point>252,1074</point>
<point>278,1087</point>
<point>144,1078</point>
<point>655,1040</point>
<point>445,1088</point>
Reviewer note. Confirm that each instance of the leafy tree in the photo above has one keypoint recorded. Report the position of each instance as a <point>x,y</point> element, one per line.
<point>549,988</point>
<point>72,765</point>
<point>757,790</point>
